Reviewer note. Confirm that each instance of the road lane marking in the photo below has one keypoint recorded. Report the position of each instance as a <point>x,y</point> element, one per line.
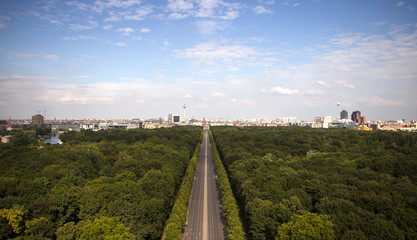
<point>205,205</point>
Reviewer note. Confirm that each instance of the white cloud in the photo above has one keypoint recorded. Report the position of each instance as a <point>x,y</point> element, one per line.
<point>125,31</point>
<point>378,101</point>
<point>211,27</point>
<point>80,27</point>
<point>188,96</point>
<point>322,83</point>
<point>291,3</point>
<point>177,16</point>
<point>113,17</point>
<point>29,78</point>
<point>139,14</point>
<point>51,56</point>
<point>344,84</point>
<point>213,53</point>
<point>145,30</point>
<point>219,9</point>
<point>244,102</point>
<point>336,84</point>
<point>81,37</point>
<point>80,6</point>
<point>315,101</point>
<point>89,56</point>
<point>218,94</point>
<point>25,55</point>
<point>262,10</point>
<point>100,5</point>
<point>3,19</point>
<point>314,92</point>
<point>284,91</point>
<point>121,44</point>
<point>180,5</point>
<point>107,27</point>
<point>83,76</point>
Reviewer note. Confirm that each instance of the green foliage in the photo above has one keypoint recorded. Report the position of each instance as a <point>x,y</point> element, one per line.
<point>177,220</point>
<point>133,176</point>
<point>103,228</point>
<point>67,232</point>
<point>14,218</point>
<point>306,226</point>
<point>364,181</point>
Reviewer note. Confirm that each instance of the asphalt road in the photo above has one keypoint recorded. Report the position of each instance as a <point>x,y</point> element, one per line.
<point>204,220</point>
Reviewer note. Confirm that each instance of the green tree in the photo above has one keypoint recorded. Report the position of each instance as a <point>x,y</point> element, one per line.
<point>306,226</point>
<point>66,232</point>
<point>103,228</point>
<point>14,218</point>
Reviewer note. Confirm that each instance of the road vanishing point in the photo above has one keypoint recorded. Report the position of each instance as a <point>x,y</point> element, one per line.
<point>205,220</point>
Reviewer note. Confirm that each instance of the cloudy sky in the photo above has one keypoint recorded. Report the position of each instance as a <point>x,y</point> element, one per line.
<point>223,58</point>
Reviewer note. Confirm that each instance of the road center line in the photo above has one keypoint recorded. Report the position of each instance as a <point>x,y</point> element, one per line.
<point>205,205</point>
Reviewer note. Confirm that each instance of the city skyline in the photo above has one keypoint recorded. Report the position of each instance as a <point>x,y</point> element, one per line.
<point>116,59</point>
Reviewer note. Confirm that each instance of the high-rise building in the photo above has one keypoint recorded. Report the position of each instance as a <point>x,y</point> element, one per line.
<point>176,119</point>
<point>356,117</point>
<point>344,114</point>
<point>363,119</point>
<point>170,117</point>
<point>37,120</point>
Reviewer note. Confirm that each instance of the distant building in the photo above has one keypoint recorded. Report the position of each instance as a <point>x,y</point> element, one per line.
<point>363,128</point>
<point>3,124</point>
<point>375,126</point>
<point>322,122</point>
<point>343,123</point>
<point>170,118</point>
<point>176,119</point>
<point>37,120</point>
<point>356,117</point>
<point>344,114</point>
<point>286,120</point>
<point>69,127</point>
<point>363,119</point>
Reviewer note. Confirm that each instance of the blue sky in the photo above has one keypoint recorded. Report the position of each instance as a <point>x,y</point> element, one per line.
<point>232,59</point>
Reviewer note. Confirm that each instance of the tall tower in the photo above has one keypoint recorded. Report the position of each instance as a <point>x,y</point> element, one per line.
<point>37,120</point>
<point>356,117</point>
<point>344,114</point>
<point>185,119</point>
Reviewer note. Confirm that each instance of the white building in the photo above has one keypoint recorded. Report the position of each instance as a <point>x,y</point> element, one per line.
<point>322,122</point>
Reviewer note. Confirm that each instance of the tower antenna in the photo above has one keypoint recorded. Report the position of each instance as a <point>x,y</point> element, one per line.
<point>185,119</point>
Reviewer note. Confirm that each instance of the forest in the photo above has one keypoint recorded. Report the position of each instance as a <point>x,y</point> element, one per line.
<point>303,183</point>
<point>115,184</point>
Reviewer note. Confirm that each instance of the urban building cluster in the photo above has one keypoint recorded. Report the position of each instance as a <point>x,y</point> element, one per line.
<point>356,121</point>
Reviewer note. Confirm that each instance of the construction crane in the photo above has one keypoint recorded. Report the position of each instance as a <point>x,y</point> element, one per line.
<point>44,113</point>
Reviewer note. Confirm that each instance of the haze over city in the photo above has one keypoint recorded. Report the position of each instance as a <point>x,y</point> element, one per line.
<point>141,59</point>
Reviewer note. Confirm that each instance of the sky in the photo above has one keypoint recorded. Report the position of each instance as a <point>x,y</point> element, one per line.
<point>117,59</point>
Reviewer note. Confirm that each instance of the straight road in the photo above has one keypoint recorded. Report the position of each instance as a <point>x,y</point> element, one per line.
<point>205,221</point>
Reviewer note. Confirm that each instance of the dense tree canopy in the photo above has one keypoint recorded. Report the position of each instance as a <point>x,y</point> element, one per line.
<point>366,182</point>
<point>306,226</point>
<point>127,179</point>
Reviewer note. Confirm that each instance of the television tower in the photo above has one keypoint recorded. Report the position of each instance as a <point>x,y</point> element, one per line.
<point>185,119</point>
